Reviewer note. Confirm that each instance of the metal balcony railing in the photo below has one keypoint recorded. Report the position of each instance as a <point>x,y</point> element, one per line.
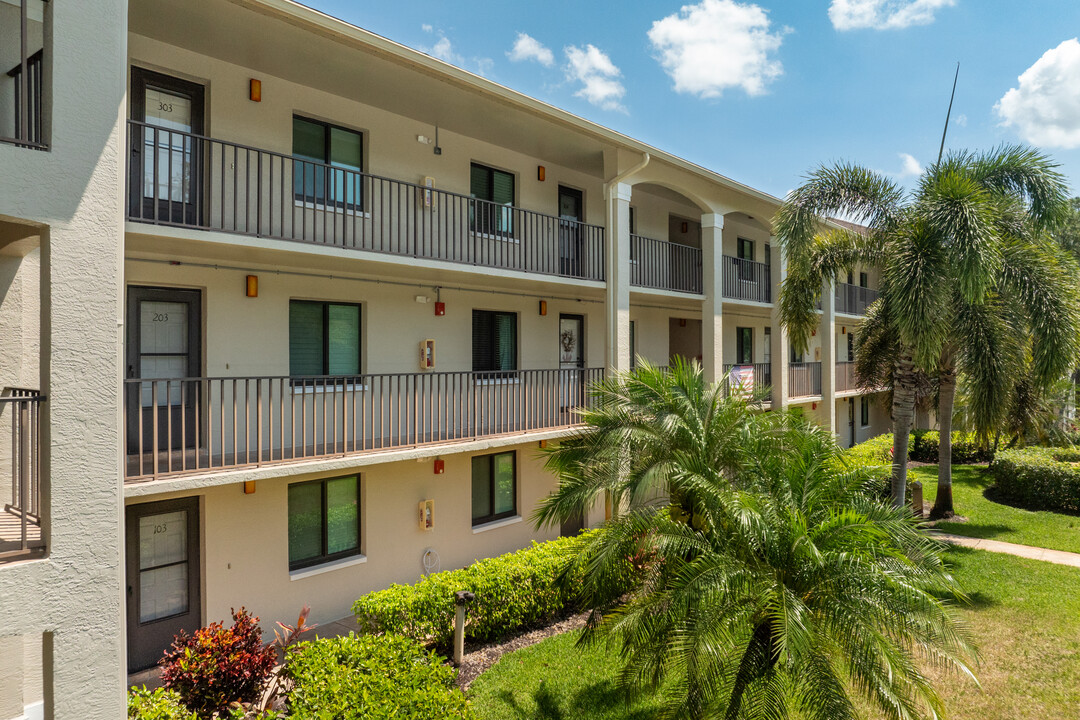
<point>664,265</point>
<point>845,377</point>
<point>747,378</point>
<point>185,180</point>
<point>853,299</point>
<point>746,280</point>
<point>186,425</point>
<point>22,121</point>
<point>20,521</point>
<point>804,379</point>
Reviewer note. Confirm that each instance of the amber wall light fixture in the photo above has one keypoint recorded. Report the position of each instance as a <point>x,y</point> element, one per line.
<point>253,286</point>
<point>255,90</point>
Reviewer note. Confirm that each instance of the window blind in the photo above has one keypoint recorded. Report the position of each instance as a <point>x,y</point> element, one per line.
<point>305,338</point>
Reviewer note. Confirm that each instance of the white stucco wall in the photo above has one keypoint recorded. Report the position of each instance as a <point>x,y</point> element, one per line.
<point>74,597</point>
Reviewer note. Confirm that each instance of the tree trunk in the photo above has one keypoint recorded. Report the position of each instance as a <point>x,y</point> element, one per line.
<point>903,413</point>
<point>943,502</point>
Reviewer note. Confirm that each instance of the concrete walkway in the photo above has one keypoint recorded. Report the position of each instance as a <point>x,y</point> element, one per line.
<point>1058,557</point>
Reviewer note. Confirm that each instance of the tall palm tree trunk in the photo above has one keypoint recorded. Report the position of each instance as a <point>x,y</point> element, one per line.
<point>903,413</point>
<point>943,501</point>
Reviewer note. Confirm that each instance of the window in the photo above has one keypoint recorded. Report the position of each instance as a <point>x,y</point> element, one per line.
<point>494,340</point>
<point>324,521</point>
<point>796,357</point>
<point>767,349</point>
<point>318,144</point>
<point>494,487</point>
<point>864,411</point>
<point>495,216</point>
<point>746,249</point>
<point>851,347</point>
<point>864,280</point>
<point>744,345</point>
<point>633,344</point>
<point>768,255</point>
<point>324,338</point>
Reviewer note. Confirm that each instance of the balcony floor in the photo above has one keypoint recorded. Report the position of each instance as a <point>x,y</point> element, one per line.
<point>11,534</point>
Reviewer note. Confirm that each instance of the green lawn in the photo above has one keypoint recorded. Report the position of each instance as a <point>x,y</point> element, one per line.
<point>1025,617</point>
<point>989,519</point>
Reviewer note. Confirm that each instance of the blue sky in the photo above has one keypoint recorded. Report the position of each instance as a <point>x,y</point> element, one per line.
<point>764,92</point>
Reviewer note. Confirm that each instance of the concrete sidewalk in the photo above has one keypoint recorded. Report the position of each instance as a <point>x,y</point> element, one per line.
<point>1058,557</point>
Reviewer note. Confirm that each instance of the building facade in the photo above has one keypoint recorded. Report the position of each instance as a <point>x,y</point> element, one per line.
<point>289,312</point>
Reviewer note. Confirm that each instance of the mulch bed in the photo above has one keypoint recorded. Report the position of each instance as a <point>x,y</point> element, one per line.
<point>484,657</point>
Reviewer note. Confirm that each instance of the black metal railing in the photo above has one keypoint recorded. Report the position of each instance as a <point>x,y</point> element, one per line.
<point>746,280</point>
<point>664,265</point>
<point>845,377</point>
<point>747,378</point>
<point>20,519</point>
<point>804,379</point>
<point>180,179</point>
<point>23,84</point>
<point>853,299</point>
<point>186,425</point>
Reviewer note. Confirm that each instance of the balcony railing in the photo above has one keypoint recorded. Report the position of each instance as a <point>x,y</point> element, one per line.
<point>22,120</point>
<point>185,180</point>
<point>746,280</point>
<point>845,377</point>
<point>664,265</point>
<point>747,379</point>
<point>187,425</point>
<point>20,521</point>
<point>804,379</point>
<point>853,299</point>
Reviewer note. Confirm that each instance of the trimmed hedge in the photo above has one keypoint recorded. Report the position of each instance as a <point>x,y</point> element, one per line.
<point>377,677</point>
<point>513,591</point>
<point>1039,478</point>
<point>924,445</point>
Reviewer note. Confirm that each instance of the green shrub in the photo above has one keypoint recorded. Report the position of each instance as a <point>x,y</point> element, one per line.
<point>1039,478</point>
<point>966,448</point>
<point>374,677</point>
<point>160,704</point>
<point>513,591</point>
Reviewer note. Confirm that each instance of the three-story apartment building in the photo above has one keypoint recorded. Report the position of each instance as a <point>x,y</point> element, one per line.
<point>289,311</point>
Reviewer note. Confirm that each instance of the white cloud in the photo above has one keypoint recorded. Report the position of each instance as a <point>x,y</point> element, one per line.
<point>527,47</point>
<point>426,28</point>
<point>598,76</point>
<point>718,44</point>
<point>442,50</point>
<point>884,14</point>
<point>910,167</point>
<point>1045,107</point>
<point>961,120</point>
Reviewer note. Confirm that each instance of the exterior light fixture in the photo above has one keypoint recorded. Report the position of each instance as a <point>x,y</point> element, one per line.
<point>253,286</point>
<point>543,307</point>
<point>249,487</point>
<point>540,172</point>
<point>255,90</point>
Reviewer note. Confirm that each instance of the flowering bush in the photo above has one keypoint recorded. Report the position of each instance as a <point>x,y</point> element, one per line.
<point>217,666</point>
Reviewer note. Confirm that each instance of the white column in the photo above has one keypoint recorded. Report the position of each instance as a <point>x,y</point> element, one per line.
<point>712,309</point>
<point>780,344</point>
<point>617,274</point>
<point>828,355</point>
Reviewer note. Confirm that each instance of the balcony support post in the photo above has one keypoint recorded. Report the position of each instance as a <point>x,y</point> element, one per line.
<point>828,356</point>
<point>617,258</point>
<point>712,309</point>
<point>780,346</point>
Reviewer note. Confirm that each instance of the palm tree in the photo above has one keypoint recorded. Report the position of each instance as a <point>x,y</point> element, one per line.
<point>769,581</point>
<point>971,282</point>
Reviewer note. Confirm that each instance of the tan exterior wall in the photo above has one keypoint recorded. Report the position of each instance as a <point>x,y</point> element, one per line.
<point>245,537</point>
<point>20,319</point>
<point>250,336</point>
<point>391,148</point>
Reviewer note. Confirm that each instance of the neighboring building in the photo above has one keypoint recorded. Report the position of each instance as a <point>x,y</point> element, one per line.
<point>273,289</point>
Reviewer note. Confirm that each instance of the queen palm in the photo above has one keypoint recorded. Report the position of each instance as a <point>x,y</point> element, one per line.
<point>769,580</point>
<point>970,281</point>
